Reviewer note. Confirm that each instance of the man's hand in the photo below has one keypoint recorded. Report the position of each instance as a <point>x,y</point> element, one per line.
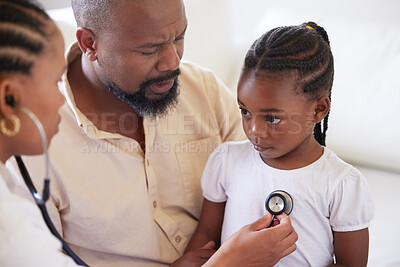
<point>256,245</point>
<point>196,257</point>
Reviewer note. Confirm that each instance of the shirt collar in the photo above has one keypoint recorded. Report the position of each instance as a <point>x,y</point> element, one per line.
<point>74,53</point>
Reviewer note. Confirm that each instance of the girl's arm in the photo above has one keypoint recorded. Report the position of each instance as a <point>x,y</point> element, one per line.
<point>351,248</point>
<point>209,227</point>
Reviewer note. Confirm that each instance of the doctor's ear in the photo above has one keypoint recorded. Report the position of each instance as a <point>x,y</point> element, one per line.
<point>9,96</point>
<point>87,43</point>
<point>322,108</point>
<point>10,101</point>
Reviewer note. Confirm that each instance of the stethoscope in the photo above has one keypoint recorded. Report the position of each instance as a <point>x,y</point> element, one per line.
<point>278,202</point>
<point>41,199</point>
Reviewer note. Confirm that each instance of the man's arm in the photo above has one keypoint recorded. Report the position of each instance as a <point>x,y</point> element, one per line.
<point>210,225</point>
<point>208,233</point>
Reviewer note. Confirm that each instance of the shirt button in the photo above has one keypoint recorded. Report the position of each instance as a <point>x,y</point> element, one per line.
<point>155,204</point>
<point>178,239</point>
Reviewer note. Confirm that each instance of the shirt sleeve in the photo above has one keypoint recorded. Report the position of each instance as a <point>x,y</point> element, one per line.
<point>352,207</point>
<point>18,187</point>
<point>212,181</point>
<point>24,237</point>
<point>226,109</point>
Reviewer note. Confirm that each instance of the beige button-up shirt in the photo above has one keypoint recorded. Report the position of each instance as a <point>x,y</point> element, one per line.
<point>117,205</point>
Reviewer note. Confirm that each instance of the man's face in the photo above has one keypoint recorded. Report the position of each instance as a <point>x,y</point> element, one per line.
<point>138,57</point>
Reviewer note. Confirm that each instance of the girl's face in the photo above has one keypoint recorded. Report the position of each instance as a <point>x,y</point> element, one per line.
<point>40,94</point>
<point>277,120</point>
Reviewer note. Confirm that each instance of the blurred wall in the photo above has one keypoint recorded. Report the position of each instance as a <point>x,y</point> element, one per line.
<point>51,4</point>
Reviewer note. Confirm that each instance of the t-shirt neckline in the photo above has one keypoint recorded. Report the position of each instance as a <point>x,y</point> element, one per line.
<point>262,164</point>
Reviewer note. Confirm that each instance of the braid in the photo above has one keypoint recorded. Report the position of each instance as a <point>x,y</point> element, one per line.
<point>319,136</point>
<point>304,49</point>
<point>23,34</point>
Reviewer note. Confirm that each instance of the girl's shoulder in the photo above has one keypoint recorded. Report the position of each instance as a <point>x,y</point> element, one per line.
<point>339,167</point>
<point>234,147</point>
<point>232,151</point>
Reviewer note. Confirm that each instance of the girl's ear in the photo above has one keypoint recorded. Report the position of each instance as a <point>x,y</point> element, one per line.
<point>322,108</point>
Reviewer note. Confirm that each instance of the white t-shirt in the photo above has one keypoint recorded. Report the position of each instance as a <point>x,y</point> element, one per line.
<point>25,239</point>
<point>328,195</point>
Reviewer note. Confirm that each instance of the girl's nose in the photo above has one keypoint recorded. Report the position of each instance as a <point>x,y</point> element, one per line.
<point>258,127</point>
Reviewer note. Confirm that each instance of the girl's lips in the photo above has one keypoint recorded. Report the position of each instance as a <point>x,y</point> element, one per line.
<point>160,88</point>
<point>260,148</point>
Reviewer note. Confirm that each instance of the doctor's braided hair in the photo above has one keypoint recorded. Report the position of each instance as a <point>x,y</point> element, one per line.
<point>304,49</point>
<point>24,30</point>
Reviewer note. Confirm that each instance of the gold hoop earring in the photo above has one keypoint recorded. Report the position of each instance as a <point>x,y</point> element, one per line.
<point>16,123</point>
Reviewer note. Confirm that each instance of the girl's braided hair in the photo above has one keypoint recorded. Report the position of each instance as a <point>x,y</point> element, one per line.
<point>304,49</point>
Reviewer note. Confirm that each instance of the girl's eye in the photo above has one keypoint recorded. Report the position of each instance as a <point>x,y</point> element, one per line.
<point>272,119</point>
<point>244,112</point>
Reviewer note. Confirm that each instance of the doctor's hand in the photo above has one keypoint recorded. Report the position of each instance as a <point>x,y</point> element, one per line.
<point>196,257</point>
<point>257,245</point>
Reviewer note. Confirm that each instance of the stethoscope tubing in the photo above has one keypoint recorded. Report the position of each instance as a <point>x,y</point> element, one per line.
<point>41,201</point>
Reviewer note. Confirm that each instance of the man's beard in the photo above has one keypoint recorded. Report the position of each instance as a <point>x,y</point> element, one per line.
<point>145,106</point>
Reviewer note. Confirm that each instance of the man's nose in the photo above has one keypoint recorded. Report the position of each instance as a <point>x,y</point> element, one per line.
<point>168,58</point>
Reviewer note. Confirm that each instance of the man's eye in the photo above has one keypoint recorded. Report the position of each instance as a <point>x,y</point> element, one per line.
<point>148,53</point>
<point>180,38</point>
<point>244,112</point>
<point>272,119</point>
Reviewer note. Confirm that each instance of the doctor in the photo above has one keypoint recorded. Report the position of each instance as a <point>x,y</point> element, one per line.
<point>31,63</point>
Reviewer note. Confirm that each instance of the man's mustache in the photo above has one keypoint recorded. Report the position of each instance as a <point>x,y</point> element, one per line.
<point>165,77</point>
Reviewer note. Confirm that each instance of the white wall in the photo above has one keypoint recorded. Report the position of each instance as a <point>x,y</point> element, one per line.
<point>366,46</point>
<point>51,4</point>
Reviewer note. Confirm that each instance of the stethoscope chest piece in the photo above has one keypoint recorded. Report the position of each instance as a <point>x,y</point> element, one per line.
<point>278,202</point>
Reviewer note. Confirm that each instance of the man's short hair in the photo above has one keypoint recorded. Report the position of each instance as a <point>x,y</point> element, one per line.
<point>94,14</point>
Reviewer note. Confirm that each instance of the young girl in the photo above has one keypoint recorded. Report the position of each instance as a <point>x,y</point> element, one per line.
<point>284,96</point>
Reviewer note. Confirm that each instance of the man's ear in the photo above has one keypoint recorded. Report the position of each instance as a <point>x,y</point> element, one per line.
<point>322,108</point>
<point>87,43</point>
<point>9,96</point>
